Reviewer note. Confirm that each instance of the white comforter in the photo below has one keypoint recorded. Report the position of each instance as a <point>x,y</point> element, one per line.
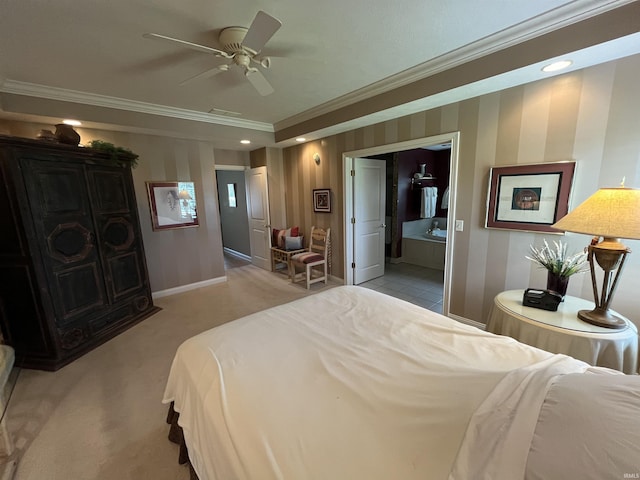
<point>353,384</point>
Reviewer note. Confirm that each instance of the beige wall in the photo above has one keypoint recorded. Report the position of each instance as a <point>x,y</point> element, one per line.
<point>301,176</point>
<point>174,257</point>
<point>590,116</point>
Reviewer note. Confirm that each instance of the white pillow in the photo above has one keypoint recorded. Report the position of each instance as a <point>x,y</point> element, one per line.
<point>588,429</point>
<point>293,243</point>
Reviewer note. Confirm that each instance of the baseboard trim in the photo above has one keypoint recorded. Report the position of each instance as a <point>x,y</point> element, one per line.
<point>186,288</point>
<point>466,321</point>
<point>237,254</point>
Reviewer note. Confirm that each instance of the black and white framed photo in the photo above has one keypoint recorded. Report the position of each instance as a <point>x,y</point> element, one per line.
<point>172,205</point>
<point>529,197</point>
<point>322,200</point>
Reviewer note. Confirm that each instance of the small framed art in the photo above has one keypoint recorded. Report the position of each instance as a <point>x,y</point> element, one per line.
<point>172,205</point>
<point>322,200</point>
<point>529,197</point>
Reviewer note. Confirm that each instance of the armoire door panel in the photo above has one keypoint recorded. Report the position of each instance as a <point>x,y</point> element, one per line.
<point>60,191</point>
<point>70,242</point>
<point>109,191</point>
<point>125,273</point>
<point>80,291</point>
<point>118,234</point>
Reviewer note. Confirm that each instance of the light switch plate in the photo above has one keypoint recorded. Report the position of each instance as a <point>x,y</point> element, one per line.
<point>459,225</point>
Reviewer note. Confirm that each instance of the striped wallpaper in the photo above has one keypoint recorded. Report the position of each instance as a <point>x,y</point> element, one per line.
<point>174,257</point>
<point>590,116</point>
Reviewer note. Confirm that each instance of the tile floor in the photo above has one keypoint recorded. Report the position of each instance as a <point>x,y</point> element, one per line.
<point>420,285</point>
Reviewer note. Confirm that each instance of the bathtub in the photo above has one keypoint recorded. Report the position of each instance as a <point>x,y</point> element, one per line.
<point>422,248</point>
<point>436,235</point>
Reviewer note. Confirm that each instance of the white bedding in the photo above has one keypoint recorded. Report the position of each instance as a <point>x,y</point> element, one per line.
<point>352,384</point>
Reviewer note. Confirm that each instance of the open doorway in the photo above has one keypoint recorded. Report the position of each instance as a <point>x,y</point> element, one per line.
<point>418,242</point>
<point>416,220</point>
<point>234,222</point>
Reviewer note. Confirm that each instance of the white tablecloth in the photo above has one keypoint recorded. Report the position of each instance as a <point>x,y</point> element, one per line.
<point>564,332</point>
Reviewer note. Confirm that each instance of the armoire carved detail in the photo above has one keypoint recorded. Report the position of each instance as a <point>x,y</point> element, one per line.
<point>72,266</point>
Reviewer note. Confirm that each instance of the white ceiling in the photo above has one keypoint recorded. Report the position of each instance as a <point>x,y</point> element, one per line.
<point>90,60</point>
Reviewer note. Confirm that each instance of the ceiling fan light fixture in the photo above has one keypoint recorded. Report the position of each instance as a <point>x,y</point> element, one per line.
<point>239,44</point>
<point>231,39</point>
<point>242,60</point>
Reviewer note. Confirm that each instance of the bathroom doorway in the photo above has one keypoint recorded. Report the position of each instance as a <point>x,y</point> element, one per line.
<point>412,275</point>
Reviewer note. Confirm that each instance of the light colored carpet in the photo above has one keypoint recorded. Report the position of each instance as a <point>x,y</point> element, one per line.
<point>101,417</point>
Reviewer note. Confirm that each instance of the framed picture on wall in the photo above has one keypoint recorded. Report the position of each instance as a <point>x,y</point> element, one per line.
<point>529,197</point>
<point>322,200</point>
<point>172,205</point>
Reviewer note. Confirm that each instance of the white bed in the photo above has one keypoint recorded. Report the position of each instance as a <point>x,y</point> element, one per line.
<point>350,384</point>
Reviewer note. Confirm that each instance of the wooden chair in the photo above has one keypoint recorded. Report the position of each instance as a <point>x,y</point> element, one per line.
<point>316,256</point>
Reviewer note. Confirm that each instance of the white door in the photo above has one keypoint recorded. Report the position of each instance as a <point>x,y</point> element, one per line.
<point>369,209</point>
<point>258,212</point>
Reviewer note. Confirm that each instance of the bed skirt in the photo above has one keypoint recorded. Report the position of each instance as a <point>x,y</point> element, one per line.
<point>176,436</point>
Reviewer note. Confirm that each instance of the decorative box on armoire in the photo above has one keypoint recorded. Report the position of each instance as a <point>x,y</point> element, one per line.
<point>73,272</point>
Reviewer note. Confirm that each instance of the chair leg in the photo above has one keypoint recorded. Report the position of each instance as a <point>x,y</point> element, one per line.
<point>308,276</point>
<point>324,265</point>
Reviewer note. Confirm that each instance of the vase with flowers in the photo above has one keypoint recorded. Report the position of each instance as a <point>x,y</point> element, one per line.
<point>559,264</point>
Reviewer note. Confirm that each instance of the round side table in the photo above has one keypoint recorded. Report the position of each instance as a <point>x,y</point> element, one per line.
<point>563,332</point>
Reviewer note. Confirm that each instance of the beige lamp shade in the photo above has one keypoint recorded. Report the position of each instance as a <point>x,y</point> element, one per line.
<point>610,213</point>
<point>184,195</point>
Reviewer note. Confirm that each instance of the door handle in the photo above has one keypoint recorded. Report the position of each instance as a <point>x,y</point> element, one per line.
<point>382,225</point>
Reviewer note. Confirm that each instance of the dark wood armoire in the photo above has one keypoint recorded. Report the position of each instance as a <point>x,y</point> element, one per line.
<point>72,266</point>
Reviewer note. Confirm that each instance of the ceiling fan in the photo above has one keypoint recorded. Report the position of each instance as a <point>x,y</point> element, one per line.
<point>241,46</point>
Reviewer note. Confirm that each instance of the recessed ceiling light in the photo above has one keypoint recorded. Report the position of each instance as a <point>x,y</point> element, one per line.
<point>74,123</point>
<point>555,66</point>
<point>300,139</point>
<point>245,142</point>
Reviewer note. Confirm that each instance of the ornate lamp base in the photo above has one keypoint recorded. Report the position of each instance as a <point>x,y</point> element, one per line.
<point>602,318</point>
<point>610,254</point>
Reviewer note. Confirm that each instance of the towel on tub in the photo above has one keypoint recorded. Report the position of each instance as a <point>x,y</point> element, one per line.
<point>428,199</point>
<point>445,199</point>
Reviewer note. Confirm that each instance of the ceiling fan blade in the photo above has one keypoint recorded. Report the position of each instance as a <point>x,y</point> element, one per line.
<point>261,30</point>
<point>184,43</point>
<point>206,74</point>
<point>259,82</point>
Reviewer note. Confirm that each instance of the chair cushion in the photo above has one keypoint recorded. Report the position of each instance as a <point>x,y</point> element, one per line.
<point>279,235</point>
<point>307,257</point>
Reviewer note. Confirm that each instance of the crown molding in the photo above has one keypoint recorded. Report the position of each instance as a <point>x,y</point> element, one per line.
<point>62,94</point>
<point>555,19</point>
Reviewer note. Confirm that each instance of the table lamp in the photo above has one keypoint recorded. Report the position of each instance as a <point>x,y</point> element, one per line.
<point>184,195</point>
<point>610,213</point>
